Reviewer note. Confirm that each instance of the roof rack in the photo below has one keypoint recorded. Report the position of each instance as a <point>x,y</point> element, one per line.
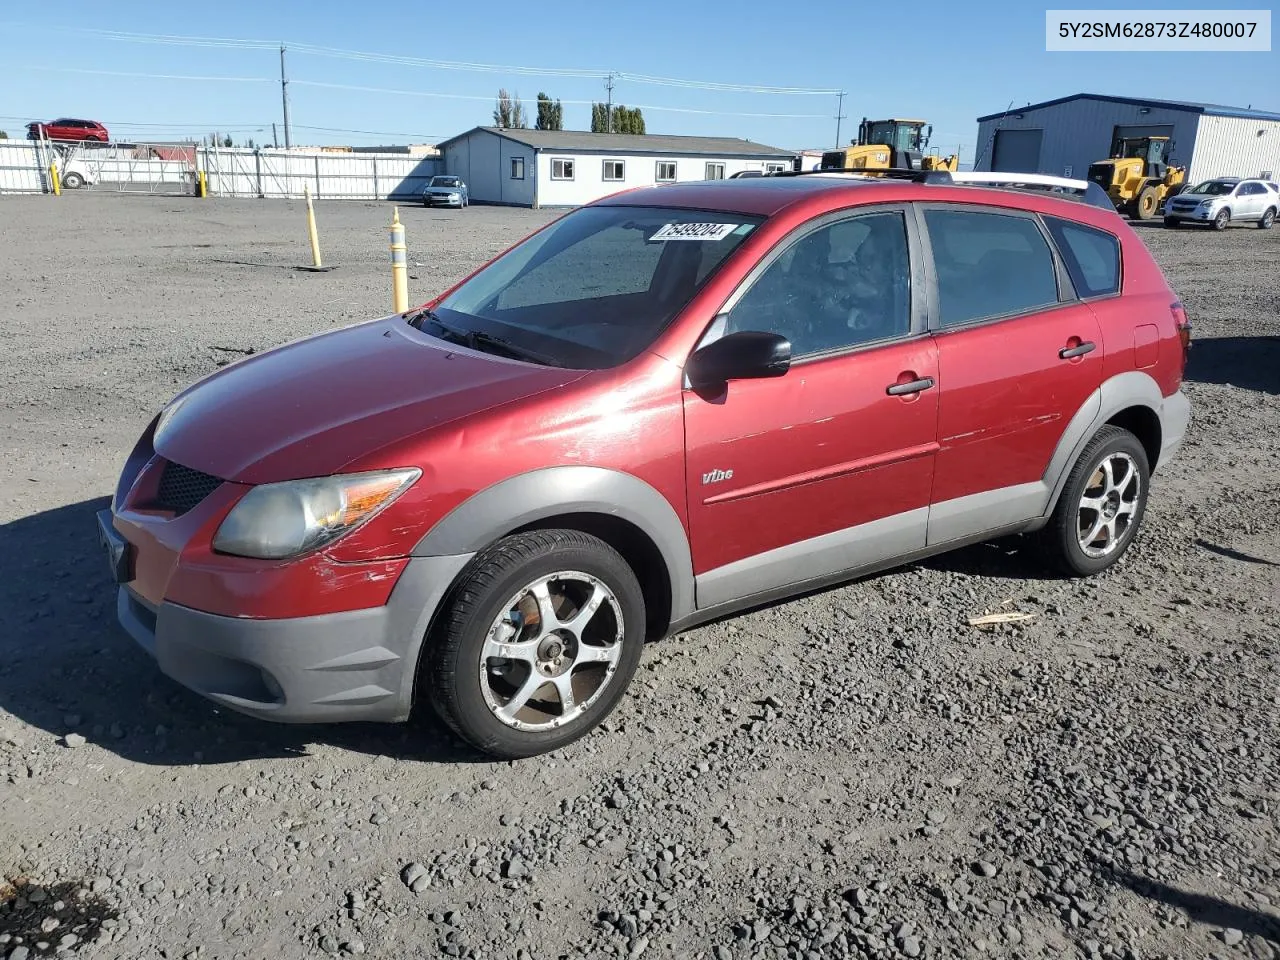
<point>894,173</point>
<point>1085,191</point>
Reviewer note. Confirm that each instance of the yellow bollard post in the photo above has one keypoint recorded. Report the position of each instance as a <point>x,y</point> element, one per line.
<point>202,184</point>
<point>311,229</point>
<point>399,265</point>
<point>54,180</point>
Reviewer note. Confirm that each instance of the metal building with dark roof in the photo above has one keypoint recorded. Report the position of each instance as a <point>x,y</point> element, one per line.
<point>565,168</point>
<point>1065,135</point>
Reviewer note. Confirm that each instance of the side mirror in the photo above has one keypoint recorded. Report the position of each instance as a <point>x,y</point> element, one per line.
<point>747,355</point>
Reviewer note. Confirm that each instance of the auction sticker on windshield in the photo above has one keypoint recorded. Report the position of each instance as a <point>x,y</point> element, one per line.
<point>694,231</point>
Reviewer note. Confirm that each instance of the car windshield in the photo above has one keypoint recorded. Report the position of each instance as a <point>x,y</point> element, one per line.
<point>1215,188</point>
<point>594,289</point>
<point>444,181</point>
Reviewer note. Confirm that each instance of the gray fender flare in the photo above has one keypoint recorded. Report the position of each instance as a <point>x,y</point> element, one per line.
<point>1130,389</point>
<point>551,491</point>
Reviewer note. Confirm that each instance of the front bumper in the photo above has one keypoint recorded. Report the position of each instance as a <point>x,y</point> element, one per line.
<point>440,200</point>
<point>353,665</point>
<point>1194,215</point>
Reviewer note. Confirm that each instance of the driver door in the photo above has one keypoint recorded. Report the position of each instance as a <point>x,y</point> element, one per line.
<point>829,467</point>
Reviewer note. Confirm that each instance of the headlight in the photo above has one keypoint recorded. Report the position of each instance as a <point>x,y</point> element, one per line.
<point>278,520</point>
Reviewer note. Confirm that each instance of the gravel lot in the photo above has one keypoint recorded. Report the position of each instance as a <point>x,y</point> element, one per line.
<point>857,773</point>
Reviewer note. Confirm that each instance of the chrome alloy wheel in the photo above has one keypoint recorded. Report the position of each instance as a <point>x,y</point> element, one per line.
<point>552,651</point>
<point>1108,505</point>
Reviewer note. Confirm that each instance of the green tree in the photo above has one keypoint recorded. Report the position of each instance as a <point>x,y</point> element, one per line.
<point>597,118</point>
<point>503,110</point>
<point>4,135</point>
<point>518,119</point>
<point>550,113</point>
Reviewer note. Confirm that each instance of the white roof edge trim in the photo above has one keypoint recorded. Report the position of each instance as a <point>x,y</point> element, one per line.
<point>1015,179</point>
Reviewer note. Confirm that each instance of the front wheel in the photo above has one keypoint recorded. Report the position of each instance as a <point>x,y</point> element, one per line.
<point>538,645</point>
<point>1101,506</point>
<point>1172,222</point>
<point>1222,219</point>
<point>1145,206</point>
<point>1267,220</point>
<point>73,181</point>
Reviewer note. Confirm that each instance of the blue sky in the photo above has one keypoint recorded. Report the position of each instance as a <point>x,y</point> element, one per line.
<point>946,62</point>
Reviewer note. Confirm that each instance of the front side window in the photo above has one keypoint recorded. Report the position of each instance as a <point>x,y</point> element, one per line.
<point>517,168</point>
<point>597,286</point>
<point>1092,257</point>
<point>666,172</point>
<point>715,171</point>
<point>614,170</point>
<point>989,265</point>
<point>840,286</point>
<point>561,169</point>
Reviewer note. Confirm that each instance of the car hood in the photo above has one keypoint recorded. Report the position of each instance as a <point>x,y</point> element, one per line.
<point>1197,197</point>
<point>311,407</point>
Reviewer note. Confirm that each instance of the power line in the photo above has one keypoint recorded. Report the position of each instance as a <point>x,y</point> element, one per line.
<point>150,76</point>
<point>367,56</point>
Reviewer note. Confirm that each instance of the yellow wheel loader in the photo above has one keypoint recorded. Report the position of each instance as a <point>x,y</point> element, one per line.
<point>889,145</point>
<point>1138,176</point>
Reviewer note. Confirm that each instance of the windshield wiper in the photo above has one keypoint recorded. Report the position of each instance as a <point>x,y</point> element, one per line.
<point>486,342</point>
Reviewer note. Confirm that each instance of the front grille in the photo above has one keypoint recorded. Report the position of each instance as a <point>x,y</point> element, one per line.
<point>182,489</point>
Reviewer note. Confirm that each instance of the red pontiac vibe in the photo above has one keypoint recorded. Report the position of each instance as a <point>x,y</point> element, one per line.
<point>668,405</point>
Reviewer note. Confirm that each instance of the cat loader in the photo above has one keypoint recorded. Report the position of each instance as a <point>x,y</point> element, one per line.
<point>889,145</point>
<point>1138,177</point>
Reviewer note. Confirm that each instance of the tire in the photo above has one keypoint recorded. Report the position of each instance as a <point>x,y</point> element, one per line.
<point>73,181</point>
<point>494,607</point>
<point>1268,218</point>
<point>1064,541</point>
<point>1222,219</point>
<point>1144,207</point>
<point>1172,222</point>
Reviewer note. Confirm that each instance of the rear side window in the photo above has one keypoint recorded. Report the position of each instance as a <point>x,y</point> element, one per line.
<point>1092,257</point>
<point>989,265</point>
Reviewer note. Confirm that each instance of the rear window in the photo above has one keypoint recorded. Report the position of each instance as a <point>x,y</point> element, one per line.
<point>596,287</point>
<point>1092,257</point>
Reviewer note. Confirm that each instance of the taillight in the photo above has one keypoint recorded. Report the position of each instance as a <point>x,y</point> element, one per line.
<point>1183,323</point>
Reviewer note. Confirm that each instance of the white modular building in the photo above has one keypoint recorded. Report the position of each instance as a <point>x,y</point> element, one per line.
<point>1064,136</point>
<point>567,168</point>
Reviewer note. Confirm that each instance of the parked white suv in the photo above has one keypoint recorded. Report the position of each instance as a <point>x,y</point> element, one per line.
<point>1222,200</point>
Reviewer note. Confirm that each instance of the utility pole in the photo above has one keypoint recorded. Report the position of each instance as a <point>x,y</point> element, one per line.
<point>608,112</point>
<point>275,138</point>
<point>284,96</point>
<point>839,116</point>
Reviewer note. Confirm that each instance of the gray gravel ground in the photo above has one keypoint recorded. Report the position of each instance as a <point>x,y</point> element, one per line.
<point>858,773</point>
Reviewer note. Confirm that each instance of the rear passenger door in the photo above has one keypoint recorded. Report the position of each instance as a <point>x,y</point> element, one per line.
<point>1018,354</point>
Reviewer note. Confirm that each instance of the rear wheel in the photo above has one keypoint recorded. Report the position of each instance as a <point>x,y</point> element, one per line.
<point>1267,220</point>
<point>1101,506</point>
<point>73,181</point>
<point>1172,222</point>
<point>538,645</point>
<point>1222,219</point>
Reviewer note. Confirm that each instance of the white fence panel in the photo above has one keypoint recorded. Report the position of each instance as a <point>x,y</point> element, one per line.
<point>21,167</point>
<point>330,176</point>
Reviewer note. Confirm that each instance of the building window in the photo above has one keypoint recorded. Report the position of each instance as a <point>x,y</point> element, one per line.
<point>517,168</point>
<point>666,171</point>
<point>561,169</point>
<point>715,171</point>
<point>775,167</point>
<point>614,170</point>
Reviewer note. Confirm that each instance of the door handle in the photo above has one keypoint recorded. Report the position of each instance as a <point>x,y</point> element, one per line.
<point>1070,353</point>
<point>914,386</point>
